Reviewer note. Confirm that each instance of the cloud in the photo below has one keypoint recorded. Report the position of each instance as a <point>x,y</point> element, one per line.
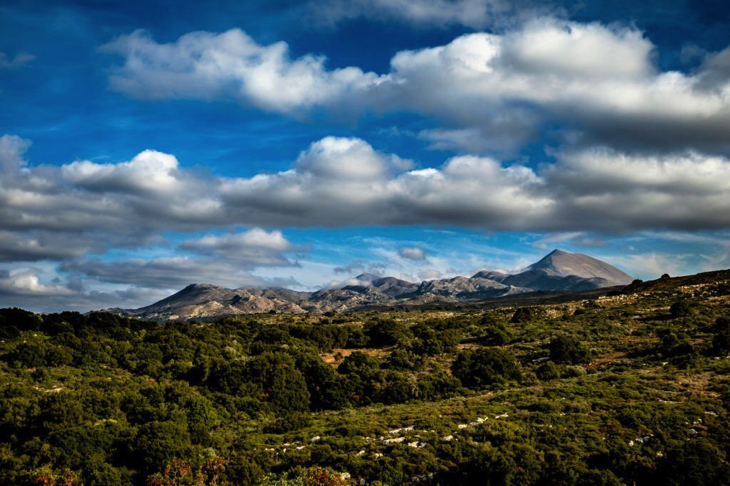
<point>12,148</point>
<point>346,159</point>
<point>25,282</point>
<point>39,246</point>
<point>150,171</point>
<point>223,259</point>
<point>604,189</point>
<point>340,182</point>
<point>463,191</point>
<point>251,248</point>
<point>413,253</point>
<point>20,59</point>
<point>490,91</point>
<point>163,273</point>
<point>361,266</point>
<point>25,287</point>
<point>230,66</point>
<point>437,13</point>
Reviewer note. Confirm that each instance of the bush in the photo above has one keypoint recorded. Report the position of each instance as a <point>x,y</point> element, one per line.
<point>387,333</point>
<point>485,366</point>
<point>496,334</point>
<point>721,341</point>
<point>680,308</point>
<point>548,371</point>
<point>522,314</point>
<point>568,350</point>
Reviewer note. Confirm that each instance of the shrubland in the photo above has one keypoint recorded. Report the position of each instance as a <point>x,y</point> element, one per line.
<point>628,389</point>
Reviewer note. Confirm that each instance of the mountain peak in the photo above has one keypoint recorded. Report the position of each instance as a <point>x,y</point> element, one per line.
<point>367,277</point>
<point>563,264</point>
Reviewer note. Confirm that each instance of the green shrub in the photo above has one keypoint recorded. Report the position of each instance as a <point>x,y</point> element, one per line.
<point>548,371</point>
<point>680,308</point>
<point>568,350</point>
<point>485,366</point>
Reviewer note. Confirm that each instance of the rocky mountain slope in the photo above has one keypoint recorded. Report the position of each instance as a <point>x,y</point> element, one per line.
<point>559,271</point>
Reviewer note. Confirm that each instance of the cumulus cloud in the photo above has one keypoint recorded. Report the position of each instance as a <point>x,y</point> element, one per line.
<point>346,182</point>
<point>413,253</point>
<point>12,148</point>
<point>25,282</point>
<point>229,66</point>
<point>252,248</point>
<point>150,171</point>
<point>620,192</point>
<point>24,287</point>
<point>599,81</point>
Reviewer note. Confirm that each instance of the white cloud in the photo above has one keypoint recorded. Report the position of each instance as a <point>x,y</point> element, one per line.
<point>347,159</point>
<point>627,192</point>
<point>150,171</point>
<point>229,66</point>
<point>345,182</point>
<point>25,281</point>
<point>12,148</point>
<point>652,265</point>
<point>599,81</point>
<point>255,247</point>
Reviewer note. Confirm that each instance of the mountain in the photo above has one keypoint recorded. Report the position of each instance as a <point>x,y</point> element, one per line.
<point>568,272</point>
<point>390,286</point>
<point>559,271</point>
<point>203,301</point>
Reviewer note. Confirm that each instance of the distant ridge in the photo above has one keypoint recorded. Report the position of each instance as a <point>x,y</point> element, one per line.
<point>559,271</point>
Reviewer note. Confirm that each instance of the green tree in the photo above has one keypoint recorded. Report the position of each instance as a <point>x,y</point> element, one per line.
<point>485,366</point>
<point>568,350</point>
<point>282,385</point>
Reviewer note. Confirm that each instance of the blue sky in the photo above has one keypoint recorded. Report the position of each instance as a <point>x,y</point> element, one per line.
<point>147,145</point>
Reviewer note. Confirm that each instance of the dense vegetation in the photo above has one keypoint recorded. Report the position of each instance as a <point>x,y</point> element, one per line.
<point>630,389</point>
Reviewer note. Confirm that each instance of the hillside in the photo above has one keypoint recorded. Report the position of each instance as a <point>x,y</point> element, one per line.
<point>559,272</point>
<point>629,386</point>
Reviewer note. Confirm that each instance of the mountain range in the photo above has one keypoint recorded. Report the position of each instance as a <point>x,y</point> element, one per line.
<point>559,271</point>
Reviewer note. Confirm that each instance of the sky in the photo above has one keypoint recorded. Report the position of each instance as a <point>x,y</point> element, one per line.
<point>148,145</point>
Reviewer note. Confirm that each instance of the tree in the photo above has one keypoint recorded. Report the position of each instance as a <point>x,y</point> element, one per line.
<point>485,366</point>
<point>681,308</point>
<point>387,333</point>
<point>568,350</point>
<point>548,371</point>
<point>283,386</point>
<point>158,443</point>
<point>522,314</point>
<point>721,341</point>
